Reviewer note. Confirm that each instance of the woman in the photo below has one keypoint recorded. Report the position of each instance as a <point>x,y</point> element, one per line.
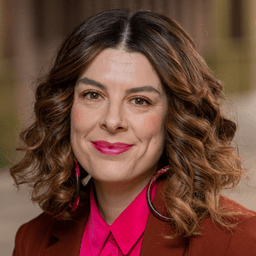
<point>131,109</point>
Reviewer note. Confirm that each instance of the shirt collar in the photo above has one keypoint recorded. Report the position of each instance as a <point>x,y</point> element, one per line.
<point>126,229</point>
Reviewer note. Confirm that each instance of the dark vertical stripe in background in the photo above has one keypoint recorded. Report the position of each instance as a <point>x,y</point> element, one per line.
<point>236,18</point>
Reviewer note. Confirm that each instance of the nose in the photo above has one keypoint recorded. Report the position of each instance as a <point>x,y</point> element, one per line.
<point>112,120</point>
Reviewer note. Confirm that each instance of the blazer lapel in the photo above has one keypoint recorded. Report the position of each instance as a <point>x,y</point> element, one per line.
<point>154,242</point>
<point>66,236</point>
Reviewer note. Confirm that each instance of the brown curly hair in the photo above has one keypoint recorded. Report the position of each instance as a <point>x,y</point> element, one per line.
<point>198,137</point>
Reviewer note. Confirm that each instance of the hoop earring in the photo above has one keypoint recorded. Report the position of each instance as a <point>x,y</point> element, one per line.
<point>77,193</point>
<point>152,181</point>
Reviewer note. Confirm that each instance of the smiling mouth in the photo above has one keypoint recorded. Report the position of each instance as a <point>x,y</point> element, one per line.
<point>111,149</point>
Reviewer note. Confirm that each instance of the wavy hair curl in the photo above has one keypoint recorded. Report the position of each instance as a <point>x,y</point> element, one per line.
<point>198,137</point>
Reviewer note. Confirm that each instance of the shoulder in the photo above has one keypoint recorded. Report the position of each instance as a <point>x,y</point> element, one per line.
<point>237,241</point>
<point>31,234</point>
<point>40,225</point>
<point>232,205</point>
<point>242,240</point>
<point>45,231</point>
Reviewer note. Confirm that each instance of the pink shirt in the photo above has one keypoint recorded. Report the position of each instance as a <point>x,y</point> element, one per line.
<point>124,236</point>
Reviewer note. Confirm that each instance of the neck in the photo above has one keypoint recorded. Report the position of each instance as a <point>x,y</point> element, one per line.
<point>113,198</point>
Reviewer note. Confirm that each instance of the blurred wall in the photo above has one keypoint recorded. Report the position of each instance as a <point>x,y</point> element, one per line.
<point>231,53</point>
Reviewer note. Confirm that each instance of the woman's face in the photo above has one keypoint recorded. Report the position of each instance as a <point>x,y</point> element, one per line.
<point>118,99</point>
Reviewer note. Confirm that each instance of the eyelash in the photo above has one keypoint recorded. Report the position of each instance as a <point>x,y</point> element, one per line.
<point>144,99</point>
<point>85,93</point>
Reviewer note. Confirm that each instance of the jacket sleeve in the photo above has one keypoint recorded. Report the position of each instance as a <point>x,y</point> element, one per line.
<point>243,240</point>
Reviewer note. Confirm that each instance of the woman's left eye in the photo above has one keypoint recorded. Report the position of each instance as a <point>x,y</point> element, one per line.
<point>141,102</point>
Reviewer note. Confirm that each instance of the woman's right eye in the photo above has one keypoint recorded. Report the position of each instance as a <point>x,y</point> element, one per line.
<point>91,95</point>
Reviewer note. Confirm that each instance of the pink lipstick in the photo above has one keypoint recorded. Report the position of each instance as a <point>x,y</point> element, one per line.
<point>111,149</point>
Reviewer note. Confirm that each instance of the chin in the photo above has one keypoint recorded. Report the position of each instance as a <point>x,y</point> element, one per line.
<point>112,178</point>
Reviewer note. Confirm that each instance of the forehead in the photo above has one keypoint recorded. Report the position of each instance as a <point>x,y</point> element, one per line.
<point>117,66</point>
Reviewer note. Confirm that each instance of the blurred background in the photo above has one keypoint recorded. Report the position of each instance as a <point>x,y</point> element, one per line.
<point>31,31</point>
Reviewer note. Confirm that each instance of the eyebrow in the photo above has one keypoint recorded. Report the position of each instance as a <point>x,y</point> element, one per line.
<point>146,88</point>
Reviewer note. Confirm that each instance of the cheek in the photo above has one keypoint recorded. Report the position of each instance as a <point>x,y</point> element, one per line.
<point>76,116</point>
<point>80,120</point>
<point>153,125</point>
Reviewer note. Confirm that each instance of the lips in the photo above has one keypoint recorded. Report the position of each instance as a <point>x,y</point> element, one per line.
<point>107,148</point>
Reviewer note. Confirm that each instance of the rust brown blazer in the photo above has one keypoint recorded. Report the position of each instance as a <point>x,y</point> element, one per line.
<point>45,237</point>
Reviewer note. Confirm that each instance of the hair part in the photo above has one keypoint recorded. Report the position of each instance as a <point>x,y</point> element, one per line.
<point>198,137</point>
